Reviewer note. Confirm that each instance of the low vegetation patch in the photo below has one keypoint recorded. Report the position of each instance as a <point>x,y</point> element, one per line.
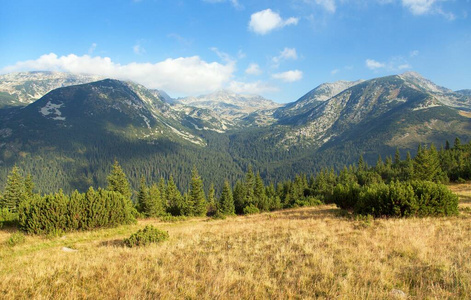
<point>146,236</point>
<point>397,199</point>
<point>16,238</point>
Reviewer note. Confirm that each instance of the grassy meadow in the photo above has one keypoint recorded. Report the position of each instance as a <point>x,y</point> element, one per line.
<point>294,254</point>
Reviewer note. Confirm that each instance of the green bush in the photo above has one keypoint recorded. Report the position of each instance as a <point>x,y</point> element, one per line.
<point>173,219</point>
<point>307,201</point>
<point>397,199</point>
<point>146,236</point>
<point>16,238</point>
<point>7,217</point>
<point>251,209</point>
<point>57,213</point>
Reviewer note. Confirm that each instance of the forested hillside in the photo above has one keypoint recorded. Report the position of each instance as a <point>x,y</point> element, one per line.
<point>69,137</point>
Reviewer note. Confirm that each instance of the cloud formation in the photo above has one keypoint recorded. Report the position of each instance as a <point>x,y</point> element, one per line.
<point>253,69</point>
<point>289,76</point>
<point>235,3</point>
<point>264,21</point>
<point>373,64</point>
<point>287,53</point>
<point>328,5</point>
<point>180,76</point>
<point>397,63</point>
<point>138,49</point>
<point>257,87</point>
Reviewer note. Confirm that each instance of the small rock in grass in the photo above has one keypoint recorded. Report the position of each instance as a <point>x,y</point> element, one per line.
<point>398,294</point>
<point>67,249</point>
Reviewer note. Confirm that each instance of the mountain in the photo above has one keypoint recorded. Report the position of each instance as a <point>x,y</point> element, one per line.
<point>464,92</point>
<point>228,105</point>
<point>313,98</point>
<point>20,89</point>
<point>70,137</point>
<point>124,109</point>
<point>444,95</point>
<point>371,117</point>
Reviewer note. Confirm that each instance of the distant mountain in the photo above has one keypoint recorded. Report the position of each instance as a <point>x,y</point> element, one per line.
<point>313,98</point>
<point>444,95</point>
<point>113,106</point>
<point>368,106</point>
<point>464,92</point>
<point>70,136</point>
<point>230,106</point>
<point>20,89</point>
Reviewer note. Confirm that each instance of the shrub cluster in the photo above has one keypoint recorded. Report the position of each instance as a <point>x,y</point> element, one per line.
<point>146,236</point>
<point>56,213</point>
<point>399,199</point>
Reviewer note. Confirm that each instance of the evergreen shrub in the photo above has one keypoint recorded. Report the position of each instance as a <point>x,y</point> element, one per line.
<point>251,209</point>
<point>397,199</point>
<point>146,236</point>
<point>58,213</point>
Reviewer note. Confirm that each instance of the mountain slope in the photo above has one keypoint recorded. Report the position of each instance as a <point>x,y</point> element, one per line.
<point>20,89</point>
<point>72,134</point>
<point>312,99</point>
<point>230,106</point>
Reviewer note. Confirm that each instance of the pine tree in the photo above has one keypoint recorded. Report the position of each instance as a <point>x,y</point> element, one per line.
<point>397,158</point>
<point>117,181</point>
<point>427,164</point>
<point>197,197</point>
<point>156,206</point>
<point>29,185</point>
<point>261,199</point>
<point>163,192</point>
<point>239,197</point>
<point>226,201</point>
<point>212,206</point>
<point>14,191</point>
<point>143,198</point>
<point>174,198</point>
<point>249,187</point>
<point>362,166</point>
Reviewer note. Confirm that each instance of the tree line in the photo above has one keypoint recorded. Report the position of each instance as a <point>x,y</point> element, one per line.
<point>393,187</point>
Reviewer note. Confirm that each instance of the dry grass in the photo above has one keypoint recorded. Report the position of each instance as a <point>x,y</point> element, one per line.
<point>300,253</point>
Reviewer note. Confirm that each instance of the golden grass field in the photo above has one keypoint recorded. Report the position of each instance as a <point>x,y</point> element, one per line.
<point>294,254</point>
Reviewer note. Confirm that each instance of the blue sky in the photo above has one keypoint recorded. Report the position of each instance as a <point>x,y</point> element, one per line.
<point>279,49</point>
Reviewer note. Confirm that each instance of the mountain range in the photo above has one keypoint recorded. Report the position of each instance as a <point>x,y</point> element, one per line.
<point>66,129</point>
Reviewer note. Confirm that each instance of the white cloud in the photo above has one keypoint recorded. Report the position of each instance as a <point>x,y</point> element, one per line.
<point>92,48</point>
<point>328,5</point>
<point>138,49</point>
<point>235,3</point>
<point>289,76</point>
<point>414,53</point>
<point>223,55</point>
<point>180,76</point>
<point>419,7</point>
<point>287,53</point>
<point>264,21</point>
<point>257,87</point>
<point>334,71</point>
<point>373,64</point>
<point>404,67</point>
<point>253,69</point>
<point>424,7</point>
<point>397,63</point>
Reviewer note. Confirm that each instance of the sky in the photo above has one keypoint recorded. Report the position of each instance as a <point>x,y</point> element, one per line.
<point>278,49</point>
